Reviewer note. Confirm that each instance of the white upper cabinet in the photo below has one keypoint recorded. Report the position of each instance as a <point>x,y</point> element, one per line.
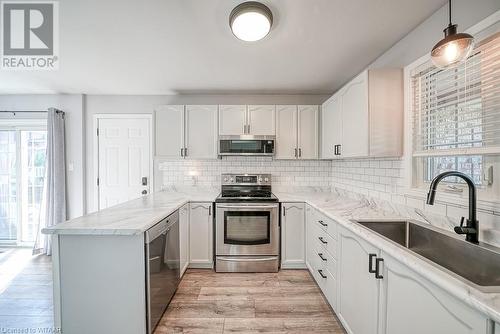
<point>260,120</point>
<point>331,127</point>
<point>354,99</point>
<point>201,132</point>
<point>169,131</point>
<point>307,140</point>
<point>186,132</point>
<point>232,120</point>
<point>238,120</point>
<point>365,118</point>
<point>286,132</point>
<point>296,132</point>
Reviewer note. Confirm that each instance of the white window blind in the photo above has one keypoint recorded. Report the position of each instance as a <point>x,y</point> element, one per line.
<point>456,111</point>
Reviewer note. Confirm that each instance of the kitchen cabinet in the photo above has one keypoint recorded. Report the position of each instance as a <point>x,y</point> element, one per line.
<point>395,299</point>
<point>200,235</point>
<point>497,328</point>
<point>331,127</point>
<point>186,131</point>
<point>407,296</point>
<point>184,237</point>
<point>246,120</point>
<point>169,129</point>
<point>358,289</point>
<point>292,236</point>
<point>297,132</point>
<point>365,117</point>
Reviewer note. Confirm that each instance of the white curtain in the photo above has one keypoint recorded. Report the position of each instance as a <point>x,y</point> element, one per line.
<point>53,206</point>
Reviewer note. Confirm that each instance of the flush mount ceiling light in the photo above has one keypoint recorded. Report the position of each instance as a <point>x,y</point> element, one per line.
<point>453,48</point>
<point>251,21</point>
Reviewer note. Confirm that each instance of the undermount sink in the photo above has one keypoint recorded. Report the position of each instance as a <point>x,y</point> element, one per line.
<point>478,264</point>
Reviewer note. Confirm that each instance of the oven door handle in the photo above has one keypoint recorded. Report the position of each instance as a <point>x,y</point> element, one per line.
<point>243,207</point>
<point>232,259</point>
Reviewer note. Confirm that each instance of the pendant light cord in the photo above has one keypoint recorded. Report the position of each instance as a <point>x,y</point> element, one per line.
<point>449,7</point>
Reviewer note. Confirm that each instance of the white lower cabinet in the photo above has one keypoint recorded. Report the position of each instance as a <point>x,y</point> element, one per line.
<point>358,289</point>
<point>292,236</point>
<point>200,235</point>
<point>412,305</point>
<point>393,299</point>
<point>497,328</point>
<point>184,237</point>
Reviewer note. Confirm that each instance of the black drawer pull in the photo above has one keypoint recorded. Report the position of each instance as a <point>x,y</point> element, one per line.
<point>377,268</point>
<point>321,257</point>
<point>370,263</point>
<point>322,240</point>
<point>321,273</point>
<point>323,223</point>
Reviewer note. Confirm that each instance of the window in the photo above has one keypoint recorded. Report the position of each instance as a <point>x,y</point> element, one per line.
<point>456,117</point>
<point>22,173</point>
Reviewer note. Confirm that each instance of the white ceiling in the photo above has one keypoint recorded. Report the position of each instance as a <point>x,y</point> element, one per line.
<point>186,46</point>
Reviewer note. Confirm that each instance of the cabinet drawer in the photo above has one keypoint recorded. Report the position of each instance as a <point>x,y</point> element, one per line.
<point>326,259</point>
<point>321,237</point>
<point>326,224</point>
<point>328,285</point>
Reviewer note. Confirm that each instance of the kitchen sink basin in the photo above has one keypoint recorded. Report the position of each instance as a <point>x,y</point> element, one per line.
<point>478,264</point>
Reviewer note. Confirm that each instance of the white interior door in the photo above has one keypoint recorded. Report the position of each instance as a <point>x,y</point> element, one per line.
<point>124,159</point>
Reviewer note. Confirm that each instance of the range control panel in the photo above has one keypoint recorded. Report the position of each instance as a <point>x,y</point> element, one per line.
<point>246,179</point>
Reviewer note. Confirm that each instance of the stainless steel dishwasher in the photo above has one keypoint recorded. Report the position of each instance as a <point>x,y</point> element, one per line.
<point>162,267</point>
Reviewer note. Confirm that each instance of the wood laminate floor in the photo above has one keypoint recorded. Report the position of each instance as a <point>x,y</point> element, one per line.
<point>285,302</point>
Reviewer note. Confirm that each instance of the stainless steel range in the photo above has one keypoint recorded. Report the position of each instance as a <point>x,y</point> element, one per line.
<point>247,225</point>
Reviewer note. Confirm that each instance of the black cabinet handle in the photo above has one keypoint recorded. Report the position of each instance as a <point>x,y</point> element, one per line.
<point>321,257</point>
<point>323,223</point>
<point>296,155</point>
<point>321,273</point>
<point>300,152</point>
<point>370,263</point>
<point>322,240</point>
<point>377,268</point>
<point>335,149</point>
<point>339,150</point>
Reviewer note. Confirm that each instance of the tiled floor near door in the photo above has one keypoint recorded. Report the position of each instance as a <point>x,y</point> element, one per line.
<point>284,302</point>
<point>25,291</point>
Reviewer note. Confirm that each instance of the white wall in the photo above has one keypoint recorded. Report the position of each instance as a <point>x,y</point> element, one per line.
<point>73,106</point>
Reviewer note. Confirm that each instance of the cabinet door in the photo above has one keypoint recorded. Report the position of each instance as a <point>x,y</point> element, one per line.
<point>292,235</point>
<point>201,132</point>
<point>355,132</point>
<point>232,120</point>
<point>358,289</point>
<point>286,132</point>
<point>200,235</point>
<point>261,120</point>
<point>406,296</point>
<point>331,127</point>
<point>184,237</point>
<point>308,132</point>
<point>169,131</point>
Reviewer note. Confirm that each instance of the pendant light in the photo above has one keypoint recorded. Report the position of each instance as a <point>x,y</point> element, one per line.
<point>251,21</point>
<point>453,48</point>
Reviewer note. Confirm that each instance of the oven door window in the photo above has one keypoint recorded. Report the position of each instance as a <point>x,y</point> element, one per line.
<point>247,227</point>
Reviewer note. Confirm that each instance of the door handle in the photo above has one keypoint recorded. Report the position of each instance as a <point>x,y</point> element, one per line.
<point>144,181</point>
<point>185,151</point>
<point>370,263</point>
<point>339,151</point>
<point>296,152</point>
<point>182,152</point>
<point>377,268</point>
<point>300,152</point>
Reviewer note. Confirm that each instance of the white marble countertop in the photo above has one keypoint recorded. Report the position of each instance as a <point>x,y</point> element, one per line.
<point>136,216</point>
<point>343,210</point>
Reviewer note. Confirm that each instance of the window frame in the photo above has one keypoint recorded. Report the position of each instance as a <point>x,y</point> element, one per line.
<point>418,188</point>
<point>18,125</point>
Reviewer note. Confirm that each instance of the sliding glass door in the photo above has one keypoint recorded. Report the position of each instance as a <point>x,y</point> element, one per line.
<point>22,172</point>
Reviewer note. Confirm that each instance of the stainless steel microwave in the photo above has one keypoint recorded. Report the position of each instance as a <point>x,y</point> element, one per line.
<point>246,145</point>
